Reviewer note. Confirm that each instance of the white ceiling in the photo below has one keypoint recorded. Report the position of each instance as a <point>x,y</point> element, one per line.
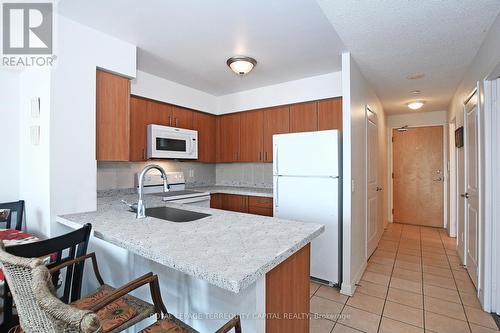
<point>391,39</point>
<point>189,41</point>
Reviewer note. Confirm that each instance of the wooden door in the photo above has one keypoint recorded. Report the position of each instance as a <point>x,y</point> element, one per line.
<point>182,117</point>
<point>204,123</point>
<point>373,224</point>
<point>235,203</point>
<point>251,136</point>
<point>138,123</point>
<point>228,144</point>
<point>418,176</point>
<point>112,117</point>
<point>276,121</point>
<point>471,195</point>
<point>303,117</point>
<point>330,114</point>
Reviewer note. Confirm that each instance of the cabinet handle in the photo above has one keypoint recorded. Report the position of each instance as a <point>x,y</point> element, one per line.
<point>260,156</point>
<point>265,156</point>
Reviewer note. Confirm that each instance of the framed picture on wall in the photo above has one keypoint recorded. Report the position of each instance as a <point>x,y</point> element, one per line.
<point>459,137</point>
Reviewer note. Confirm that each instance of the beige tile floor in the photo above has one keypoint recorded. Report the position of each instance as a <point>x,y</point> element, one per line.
<point>413,284</point>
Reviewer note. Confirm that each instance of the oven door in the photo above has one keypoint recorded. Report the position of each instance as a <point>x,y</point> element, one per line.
<point>203,201</point>
<point>166,142</point>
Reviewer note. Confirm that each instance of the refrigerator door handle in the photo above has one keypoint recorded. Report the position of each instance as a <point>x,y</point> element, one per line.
<point>277,192</point>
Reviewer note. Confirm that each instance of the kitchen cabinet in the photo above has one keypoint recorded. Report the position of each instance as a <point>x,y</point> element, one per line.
<point>112,117</point>
<point>216,200</point>
<point>158,113</point>
<point>139,113</point>
<point>276,121</point>
<point>228,138</point>
<point>260,206</point>
<point>182,117</point>
<point>204,123</point>
<point>251,136</point>
<point>330,114</point>
<point>303,117</point>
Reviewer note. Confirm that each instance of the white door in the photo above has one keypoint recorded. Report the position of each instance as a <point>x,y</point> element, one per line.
<point>314,200</point>
<point>471,195</point>
<point>373,190</point>
<point>306,154</point>
<point>460,181</point>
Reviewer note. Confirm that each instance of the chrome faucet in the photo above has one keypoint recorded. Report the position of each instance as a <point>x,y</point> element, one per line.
<point>141,211</point>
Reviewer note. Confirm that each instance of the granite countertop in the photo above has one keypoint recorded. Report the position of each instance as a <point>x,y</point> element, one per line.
<point>227,249</point>
<point>254,191</point>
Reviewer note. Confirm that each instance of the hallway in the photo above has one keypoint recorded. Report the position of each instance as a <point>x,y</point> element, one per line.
<point>413,283</point>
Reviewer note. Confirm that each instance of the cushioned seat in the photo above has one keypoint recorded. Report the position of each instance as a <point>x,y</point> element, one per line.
<point>118,315</point>
<point>169,325</point>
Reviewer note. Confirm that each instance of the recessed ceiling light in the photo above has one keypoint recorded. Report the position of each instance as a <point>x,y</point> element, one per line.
<point>415,76</point>
<point>415,105</point>
<point>415,92</point>
<point>241,65</point>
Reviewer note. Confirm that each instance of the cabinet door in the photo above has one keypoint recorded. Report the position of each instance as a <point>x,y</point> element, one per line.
<point>112,117</point>
<point>260,205</point>
<point>276,121</point>
<point>138,123</point>
<point>303,117</point>
<point>215,201</point>
<point>205,125</point>
<point>251,136</point>
<point>159,113</point>
<point>235,203</point>
<point>182,118</point>
<point>229,138</point>
<point>330,114</point>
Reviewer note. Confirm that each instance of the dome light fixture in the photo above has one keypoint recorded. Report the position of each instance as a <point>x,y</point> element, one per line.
<point>415,105</point>
<point>241,65</point>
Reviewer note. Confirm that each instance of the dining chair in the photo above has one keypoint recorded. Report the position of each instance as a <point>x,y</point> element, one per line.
<point>56,251</point>
<point>107,310</point>
<point>16,209</point>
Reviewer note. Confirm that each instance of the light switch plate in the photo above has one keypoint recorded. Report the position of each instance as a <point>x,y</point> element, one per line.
<point>35,135</point>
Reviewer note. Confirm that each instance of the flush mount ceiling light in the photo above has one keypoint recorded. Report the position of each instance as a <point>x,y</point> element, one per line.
<point>241,65</point>
<point>415,105</point>
<point>415,92</point>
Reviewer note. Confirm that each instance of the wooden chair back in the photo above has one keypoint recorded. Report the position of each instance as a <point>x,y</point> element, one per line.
<point>16,209</point>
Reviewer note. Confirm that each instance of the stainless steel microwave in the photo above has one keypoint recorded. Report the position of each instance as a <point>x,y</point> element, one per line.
<point>171,142</point>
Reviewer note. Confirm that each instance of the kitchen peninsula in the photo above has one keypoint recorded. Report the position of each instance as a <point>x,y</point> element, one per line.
<point>213,267</point>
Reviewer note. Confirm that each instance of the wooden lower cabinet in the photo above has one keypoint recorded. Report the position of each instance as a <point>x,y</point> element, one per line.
<point>260,206</point>
<point>242,203</point>
<point>288,312</point>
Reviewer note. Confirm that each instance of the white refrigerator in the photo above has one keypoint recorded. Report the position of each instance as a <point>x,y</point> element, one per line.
<point>306,187</point>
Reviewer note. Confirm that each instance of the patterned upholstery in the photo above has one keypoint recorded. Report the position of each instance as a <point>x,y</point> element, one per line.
<point>118,315</point>
<point>169,325</point>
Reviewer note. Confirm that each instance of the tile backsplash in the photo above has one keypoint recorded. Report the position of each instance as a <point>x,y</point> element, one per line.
<point>244,174</point>
<point>120,175</point>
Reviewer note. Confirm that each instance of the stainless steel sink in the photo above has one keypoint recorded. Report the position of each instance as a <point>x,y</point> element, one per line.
<point>174,214</point>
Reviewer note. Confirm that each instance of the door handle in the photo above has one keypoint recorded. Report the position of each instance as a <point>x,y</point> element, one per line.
<point>439,179</point>
<point>465,195</point>
<point>378,188</point>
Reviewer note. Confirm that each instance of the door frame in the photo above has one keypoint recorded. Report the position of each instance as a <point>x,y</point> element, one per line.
<point>445,174</point>
<point>452,183</point>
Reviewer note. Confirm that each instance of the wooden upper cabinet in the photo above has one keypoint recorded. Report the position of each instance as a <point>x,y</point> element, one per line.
<point>138,121</point>
<point>205,125</point>
<point>182,118</point>
<point>159,113</point>
<point>330,114</point>
<point>251,136</point>
<point>303,117</point>
<point>112,117</point>
<point>276,121</point>
<point>228,140</point>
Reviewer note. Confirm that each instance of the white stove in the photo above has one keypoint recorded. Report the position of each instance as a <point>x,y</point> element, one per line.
<point>153,185</point>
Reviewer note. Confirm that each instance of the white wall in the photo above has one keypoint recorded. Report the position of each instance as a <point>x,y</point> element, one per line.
<point>308,89</point>
<point>417,119</point>
<point>157,88</point>
<point>486,60</point>
<point>9,135</point>
<point>73,167</point>
<point>34,168</point>
<point>357,93</point>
